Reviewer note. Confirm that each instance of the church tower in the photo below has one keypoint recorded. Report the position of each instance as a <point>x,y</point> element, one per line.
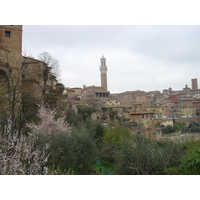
<point>103,70</point>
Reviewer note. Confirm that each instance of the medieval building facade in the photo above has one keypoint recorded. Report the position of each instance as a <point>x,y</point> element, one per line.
<point>10,67</point>
<point>37,78</point>
<point>20,74</point>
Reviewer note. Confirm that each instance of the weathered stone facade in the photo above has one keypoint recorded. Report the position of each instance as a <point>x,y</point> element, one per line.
<point>36,77</point>
<point>145,122</point>
<point>194,84</point>
<point>10,67</point>
<point>131,97</point>
<point>20,75</point>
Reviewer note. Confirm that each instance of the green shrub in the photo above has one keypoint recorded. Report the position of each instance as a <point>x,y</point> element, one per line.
<point>190,161</point>
<point>143,156</point>
<point>169,129</point>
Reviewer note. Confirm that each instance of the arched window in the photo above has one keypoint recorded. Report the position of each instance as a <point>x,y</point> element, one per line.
<point>4,90</point>
<point>4,83</point>
<point>3,77</point>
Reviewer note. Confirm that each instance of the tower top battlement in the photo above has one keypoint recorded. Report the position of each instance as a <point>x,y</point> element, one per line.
<point>103,67</point>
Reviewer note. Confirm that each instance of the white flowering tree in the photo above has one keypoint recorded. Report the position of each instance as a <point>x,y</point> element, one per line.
<point>19,154</point>
<point>48,124</point>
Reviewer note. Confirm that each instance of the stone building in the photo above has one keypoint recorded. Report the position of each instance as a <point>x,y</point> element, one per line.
<point>187,110</point>
<point>113,103</point>
<point>188,92</point>
<point>37,78</point>
<point>173,98</point>
<point>145,122</point>
<point>196,104</point>
<point>194,84</point>
<point>159,110</point>
<point>10,41</point>
<point>10,67</point>
<point>129,98</point>
<point>167,92</point>
<point>19,74</point>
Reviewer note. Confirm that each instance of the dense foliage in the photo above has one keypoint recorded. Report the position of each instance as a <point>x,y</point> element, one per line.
<point>193,127</point>
<point>169,129</point>
<point>189,162</point>
<point>142,156</point>
<point>77,144</point>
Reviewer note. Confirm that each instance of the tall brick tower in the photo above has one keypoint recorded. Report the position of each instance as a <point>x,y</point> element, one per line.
<point>10,47</point>
<point>10,67</point>
<point>103,70</point>
<point>194,84</point>
<point>11,38</point>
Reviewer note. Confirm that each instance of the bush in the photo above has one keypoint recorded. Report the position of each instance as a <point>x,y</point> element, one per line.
<point>84,112</point>
<point>112,140</point>
<point>116,134</point>
<point>143,156</point>
<point>74,154</point>
<point>190,161</point>
<point>194,127</point>
<point>72,150</point>
<point>169,129</point>
<point>95,128</point>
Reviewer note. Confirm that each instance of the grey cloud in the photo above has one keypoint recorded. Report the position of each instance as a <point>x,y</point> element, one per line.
<point>168,43</point>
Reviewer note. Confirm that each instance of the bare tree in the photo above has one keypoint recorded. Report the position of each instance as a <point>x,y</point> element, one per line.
<point>11,88</point>
<point>27,53</point>
<point>51,62</point>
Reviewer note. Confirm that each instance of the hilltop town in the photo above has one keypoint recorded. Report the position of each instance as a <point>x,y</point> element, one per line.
<point>143,111</point>
<point>49,128</point>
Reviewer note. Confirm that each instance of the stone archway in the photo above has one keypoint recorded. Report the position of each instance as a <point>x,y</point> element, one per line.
<point>4,90</point>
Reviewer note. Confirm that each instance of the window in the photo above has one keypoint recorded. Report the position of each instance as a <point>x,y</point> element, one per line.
<point>24,66</point>
<point>7,33</point>
<point>142,116</point>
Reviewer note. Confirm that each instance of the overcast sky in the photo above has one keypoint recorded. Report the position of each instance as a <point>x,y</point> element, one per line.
<point>138,57</point>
